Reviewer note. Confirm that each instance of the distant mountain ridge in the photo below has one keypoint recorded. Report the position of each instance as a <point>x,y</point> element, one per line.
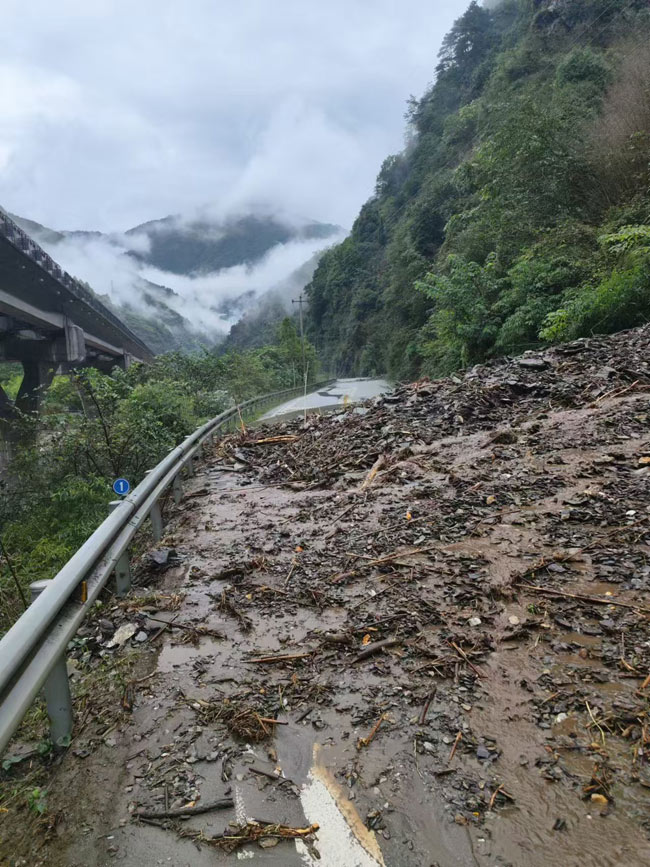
<point>193,248</point>
<point>203,246</point>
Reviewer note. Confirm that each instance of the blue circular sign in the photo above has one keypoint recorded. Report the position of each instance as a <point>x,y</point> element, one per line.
<point>121,487</point>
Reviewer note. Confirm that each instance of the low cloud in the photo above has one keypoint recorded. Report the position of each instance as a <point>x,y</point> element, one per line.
<point>199,298</point>
<point>210,302</point>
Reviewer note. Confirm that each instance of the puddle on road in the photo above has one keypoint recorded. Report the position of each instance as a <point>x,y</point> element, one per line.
<point>174,656</point>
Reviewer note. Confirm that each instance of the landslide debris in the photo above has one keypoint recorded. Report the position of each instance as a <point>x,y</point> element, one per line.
<point>506,397</point>
<point>436,602</point>
<point>486,538</point>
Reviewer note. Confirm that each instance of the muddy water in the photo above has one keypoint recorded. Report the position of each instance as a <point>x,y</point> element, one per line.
<point>409,797</point>
<point>523,833</point>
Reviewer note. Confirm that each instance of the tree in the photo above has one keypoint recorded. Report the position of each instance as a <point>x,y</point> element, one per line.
<point>290,348</point>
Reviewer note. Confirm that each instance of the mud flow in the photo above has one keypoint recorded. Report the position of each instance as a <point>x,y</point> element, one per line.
<point>415,635</point>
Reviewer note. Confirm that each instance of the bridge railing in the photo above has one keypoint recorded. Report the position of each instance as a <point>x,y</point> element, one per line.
<point>12,232</point>
<point>33,651</point>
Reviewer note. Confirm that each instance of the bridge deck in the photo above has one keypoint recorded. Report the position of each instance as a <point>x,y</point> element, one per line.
<point>35,292</point>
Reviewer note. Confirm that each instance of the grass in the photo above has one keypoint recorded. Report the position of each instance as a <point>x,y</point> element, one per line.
<point>31,762</point>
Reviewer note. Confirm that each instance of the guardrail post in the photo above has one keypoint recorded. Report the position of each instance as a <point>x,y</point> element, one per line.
<point>122,570</point>
<point>177,488</point>
<point>155,516</point>
<point>56,688</point>
<point>189,464</point>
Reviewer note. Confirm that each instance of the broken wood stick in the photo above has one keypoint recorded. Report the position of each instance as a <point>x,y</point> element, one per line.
<point>371,649</point>
<point>388,558</point>
<point>494,796</point>
<point>400,615</point>
<point>465,657</point>
<point>294,563</point>
<point>425,709</point>
<point>161,629</point>
<point>342,515</point>
<point>269,775</point>
<point>455,747</point>
<point>171,624</point>
<point>598,600</point>
<point>281,658</point>
<point>364,742</point>
<point>617,392</point>
<point>221,804</point>
<point>304,715</point>
<point>251,831</point>
<point>284,438</point>
<point>378,464</point>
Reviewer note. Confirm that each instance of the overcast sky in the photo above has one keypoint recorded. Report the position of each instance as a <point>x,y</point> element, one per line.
<point>113,112</point>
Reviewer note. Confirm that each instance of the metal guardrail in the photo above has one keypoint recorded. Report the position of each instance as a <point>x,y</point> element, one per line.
<point>32,652</point>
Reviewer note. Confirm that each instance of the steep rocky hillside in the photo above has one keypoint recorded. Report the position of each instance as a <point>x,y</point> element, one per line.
<point>518,214</point>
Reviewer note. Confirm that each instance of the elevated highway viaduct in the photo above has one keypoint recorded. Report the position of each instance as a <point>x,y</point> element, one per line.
<point>50,322</point>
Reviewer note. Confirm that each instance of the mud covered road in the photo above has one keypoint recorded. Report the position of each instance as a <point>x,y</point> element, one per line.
<point>421,624</point>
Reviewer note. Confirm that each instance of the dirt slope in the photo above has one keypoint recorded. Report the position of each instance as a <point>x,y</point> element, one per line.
<point>443,594</point>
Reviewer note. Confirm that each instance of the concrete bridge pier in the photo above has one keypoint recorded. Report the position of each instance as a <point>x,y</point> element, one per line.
<point>37,378</point>
<point>6,406</point>
<point>41,355</point>
<point>49,319</point>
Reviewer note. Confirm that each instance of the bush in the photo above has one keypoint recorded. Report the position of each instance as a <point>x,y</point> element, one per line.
<point>96,428</point>
<point>461,328</point>
<point>587,68</point>
<point>622,300</point>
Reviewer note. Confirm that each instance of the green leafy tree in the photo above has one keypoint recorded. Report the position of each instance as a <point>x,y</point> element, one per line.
<point>462,323</point>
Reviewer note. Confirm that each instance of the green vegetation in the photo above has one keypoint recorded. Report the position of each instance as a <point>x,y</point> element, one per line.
<point>97,427</point>
<point>11,376</point>
<point>519,211</point>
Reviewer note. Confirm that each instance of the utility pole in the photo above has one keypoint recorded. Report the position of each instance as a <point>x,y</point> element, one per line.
<point>300,301</point>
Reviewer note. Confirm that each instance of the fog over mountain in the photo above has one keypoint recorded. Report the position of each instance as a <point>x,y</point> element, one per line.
<point>189,279</point>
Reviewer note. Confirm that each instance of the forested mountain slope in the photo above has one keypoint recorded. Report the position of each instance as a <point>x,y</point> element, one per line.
<point>208,245</point>
<point>519,211</point>
<point>259,325</point>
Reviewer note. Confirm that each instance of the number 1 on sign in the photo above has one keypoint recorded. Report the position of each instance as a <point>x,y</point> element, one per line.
<point>121,487</point>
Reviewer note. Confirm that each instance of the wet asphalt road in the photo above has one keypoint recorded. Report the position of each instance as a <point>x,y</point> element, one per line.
<point>339,393</point>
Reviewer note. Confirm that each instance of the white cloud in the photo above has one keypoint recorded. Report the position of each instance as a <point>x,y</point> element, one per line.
<point>104,264</point>
<point>198,297</point>
<point>116,112</point>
